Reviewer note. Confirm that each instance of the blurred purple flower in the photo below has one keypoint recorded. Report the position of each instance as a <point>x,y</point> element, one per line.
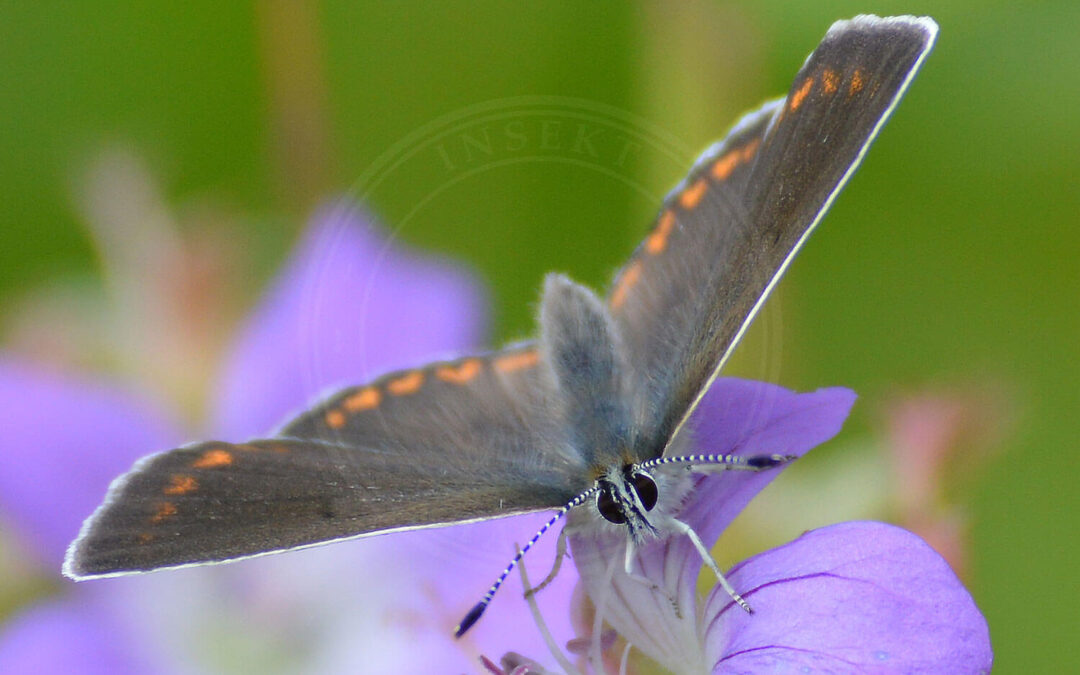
<point>853,597</point>
<point>346,308</point>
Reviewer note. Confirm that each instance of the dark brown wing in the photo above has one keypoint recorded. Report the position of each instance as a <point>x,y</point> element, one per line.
<point>726,234</point>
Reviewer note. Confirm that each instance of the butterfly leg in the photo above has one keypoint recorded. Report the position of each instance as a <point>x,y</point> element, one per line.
<point>628,563</point>
<point>560,553</point>
<point>707,557</point>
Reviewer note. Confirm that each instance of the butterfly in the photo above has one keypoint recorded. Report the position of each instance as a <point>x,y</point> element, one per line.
<point>586,418</point>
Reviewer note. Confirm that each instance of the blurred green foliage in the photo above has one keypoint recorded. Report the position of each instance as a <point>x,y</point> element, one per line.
<point>950,259</point>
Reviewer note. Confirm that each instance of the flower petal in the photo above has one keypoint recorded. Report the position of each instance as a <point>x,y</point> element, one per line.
<point>348,307</point>
<point>66,638</point>
<point>64,440</point>
<point>735,417</point>
<point>359,606</point>
<point>852,597</point>
<point>743,417</point>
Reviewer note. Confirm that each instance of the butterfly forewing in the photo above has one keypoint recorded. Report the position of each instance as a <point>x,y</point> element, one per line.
<point>724,237</point>
<point>448,443</point>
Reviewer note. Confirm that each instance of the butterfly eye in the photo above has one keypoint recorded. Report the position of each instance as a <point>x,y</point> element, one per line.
<point>646,489</point>
<point>608,507</point>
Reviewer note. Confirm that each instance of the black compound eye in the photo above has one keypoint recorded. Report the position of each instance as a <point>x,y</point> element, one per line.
<point>608,507</point>
<point>645,487</point>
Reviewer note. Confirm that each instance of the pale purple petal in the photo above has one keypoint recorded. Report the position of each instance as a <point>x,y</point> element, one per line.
<point>349,306</point>
<point>390,601</point>
<point>62,441</point>
<point>736,417</point>
<point>643,615</point>
<point>743,417</point>
<point>67,638</point>
<point>854,597</point>
<point>457,565</point>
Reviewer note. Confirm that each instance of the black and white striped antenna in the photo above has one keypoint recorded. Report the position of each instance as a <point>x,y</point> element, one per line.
<point>478,609</point>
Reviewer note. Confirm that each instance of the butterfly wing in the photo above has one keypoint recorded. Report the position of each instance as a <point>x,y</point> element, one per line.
<point>726,234</point>
<point>448,443</point>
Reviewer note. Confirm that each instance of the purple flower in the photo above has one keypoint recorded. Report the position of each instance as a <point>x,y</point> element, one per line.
<point>346,308</point>
<point>853,597</point>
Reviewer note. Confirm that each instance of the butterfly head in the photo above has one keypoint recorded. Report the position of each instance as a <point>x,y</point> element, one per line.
<point>627,495</point>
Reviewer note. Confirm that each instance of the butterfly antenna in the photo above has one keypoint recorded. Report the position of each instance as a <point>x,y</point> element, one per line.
<point>734,462</point>
<point>729,462</point>
<point>478,609</point>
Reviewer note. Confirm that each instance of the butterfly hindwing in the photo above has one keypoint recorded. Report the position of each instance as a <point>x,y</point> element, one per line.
<point>497,410</point>
<point>726,234</point>
<point>448,443</point>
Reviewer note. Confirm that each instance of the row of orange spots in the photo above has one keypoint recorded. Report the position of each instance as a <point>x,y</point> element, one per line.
<point>409,383</point>
<point>182,484</point>
<point>689,198</point>
<point>830,82</point>
<point>370,397</point>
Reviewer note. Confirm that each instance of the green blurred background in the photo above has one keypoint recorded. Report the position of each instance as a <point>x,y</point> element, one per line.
<point>949,264</point>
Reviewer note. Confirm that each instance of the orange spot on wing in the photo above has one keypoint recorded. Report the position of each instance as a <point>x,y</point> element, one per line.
<point>750,149</point>
<point>830,80</point>
<point>145,538</point>
<point>513,362</point>
<point>164,510</point>
<point>725,165</point>
<point>629,277</point>
<point>856,83</point>
<point>800,94</point>
<point>657,241</point>
<point>213,458</point>
<point>180,484</point>
<point>464,372</point>
<point>365,399</point>
<point>692,195</point>
<point>335,419</point>
<point>406,384</point>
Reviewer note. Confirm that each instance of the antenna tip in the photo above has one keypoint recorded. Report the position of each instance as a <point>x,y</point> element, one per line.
<point>471,618</point>
<point>768,461</point>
